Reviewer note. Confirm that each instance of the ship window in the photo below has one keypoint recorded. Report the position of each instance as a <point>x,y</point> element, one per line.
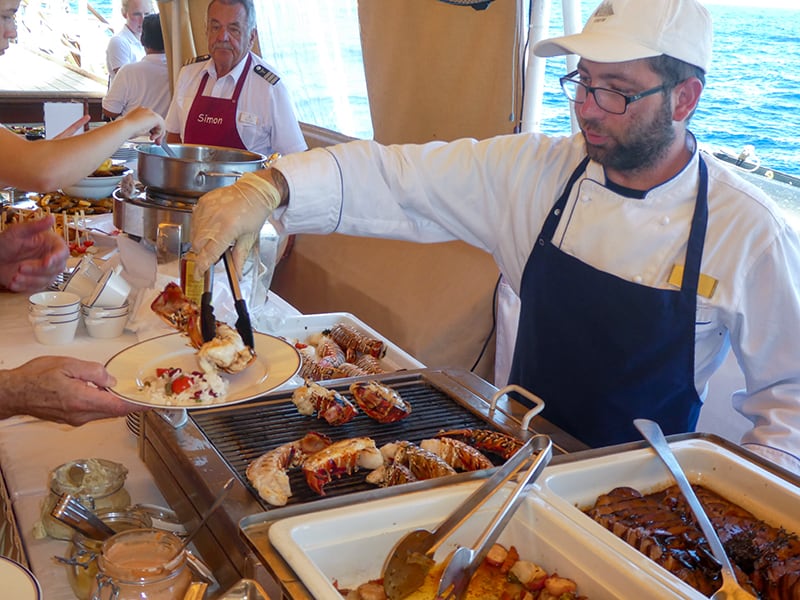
<point>316,47</point>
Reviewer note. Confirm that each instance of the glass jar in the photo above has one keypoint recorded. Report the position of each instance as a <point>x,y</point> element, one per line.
<point>96,483</point>
<point>82,552</point>
<point>142,564</point>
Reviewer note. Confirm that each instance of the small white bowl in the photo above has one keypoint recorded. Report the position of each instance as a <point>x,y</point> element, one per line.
<point>55,332</point>
<point>95,187</point>
<point>106,327</point>
<point>42,316</point>
<point>101,312</point>
<point>112,290</point>
<point>54,302</point>
<point>84,278</point>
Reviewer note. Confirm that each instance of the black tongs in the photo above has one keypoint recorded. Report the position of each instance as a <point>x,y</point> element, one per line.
<point>208,322</point>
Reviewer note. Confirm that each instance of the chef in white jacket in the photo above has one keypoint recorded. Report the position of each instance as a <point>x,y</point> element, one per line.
<point>640,261</point>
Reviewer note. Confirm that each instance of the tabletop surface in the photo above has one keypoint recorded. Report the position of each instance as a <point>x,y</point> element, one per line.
<point>30,448</point>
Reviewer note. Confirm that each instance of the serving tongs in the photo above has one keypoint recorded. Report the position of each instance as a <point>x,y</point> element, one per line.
<point>411,559</point>
<point>208,323</point>
<point>730,589</point>
<point>72,513</point>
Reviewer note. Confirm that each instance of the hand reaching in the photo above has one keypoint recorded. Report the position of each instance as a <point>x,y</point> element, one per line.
<point>60,389</point>
<point>31,255</point>
<point>147,122</point>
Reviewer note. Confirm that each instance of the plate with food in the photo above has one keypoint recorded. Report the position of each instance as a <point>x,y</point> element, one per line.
<point>191,369</point>
<point>165,372</point>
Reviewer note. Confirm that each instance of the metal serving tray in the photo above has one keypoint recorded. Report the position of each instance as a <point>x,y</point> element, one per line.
<point>300,327</point>
<point>766,490</point>
<point>305,550</point>
<point>349,544</point>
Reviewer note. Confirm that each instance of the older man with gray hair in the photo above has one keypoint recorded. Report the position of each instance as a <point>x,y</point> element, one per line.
<point>230,97</point>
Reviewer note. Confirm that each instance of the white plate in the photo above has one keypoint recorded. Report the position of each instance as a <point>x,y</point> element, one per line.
<point>17,581</point>
<point>276,363</point>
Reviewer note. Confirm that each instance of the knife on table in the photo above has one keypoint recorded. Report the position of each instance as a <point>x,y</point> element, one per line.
<point>243,325</point>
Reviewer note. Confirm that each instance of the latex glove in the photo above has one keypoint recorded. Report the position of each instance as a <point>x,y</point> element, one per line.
<point>229,215</point>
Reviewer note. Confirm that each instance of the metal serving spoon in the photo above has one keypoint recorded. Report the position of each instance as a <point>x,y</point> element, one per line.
<point>730,589</point>
<point>411,558</point>
<point>166,148</point>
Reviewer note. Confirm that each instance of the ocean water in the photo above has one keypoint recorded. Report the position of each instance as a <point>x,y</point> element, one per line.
<point>752,94</point>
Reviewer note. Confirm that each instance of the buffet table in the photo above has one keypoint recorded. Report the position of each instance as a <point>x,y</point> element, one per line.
<point>30,448</point>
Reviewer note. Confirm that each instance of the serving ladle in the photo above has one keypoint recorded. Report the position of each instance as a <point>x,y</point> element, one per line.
<point>411,559</point>
<point>730,589</point>
<point>167,149</point>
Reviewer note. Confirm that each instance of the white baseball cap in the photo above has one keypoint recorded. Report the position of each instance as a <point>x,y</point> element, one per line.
<point>622,30</point>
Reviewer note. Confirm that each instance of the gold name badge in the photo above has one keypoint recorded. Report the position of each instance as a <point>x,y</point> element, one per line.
<point>705,287</point>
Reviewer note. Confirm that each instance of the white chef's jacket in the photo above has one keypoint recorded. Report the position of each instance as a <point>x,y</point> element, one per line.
<point>265,117</point>
<point>123,48</point>
<point>144,83</point>
<point>495,193</point>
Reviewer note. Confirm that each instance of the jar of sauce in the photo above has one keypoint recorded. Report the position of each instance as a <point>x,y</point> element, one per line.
<point>96,483</point>
<point>142,564</point>
<point>81,560</point>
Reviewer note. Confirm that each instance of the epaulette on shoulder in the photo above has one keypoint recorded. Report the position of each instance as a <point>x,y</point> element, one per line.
<point>197,59</point>
<point>262,71</point>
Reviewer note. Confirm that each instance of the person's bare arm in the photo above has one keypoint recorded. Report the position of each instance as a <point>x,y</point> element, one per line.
<point>74,128</point>
<point>46,165</point>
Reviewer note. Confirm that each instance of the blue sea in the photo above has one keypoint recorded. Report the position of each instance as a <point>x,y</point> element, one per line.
<point>752,94</point>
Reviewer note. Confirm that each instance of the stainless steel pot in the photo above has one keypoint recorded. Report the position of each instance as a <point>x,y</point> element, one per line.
<point>196,169</point>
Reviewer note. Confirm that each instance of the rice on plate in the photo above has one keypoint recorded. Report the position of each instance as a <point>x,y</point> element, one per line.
<point>174,387</point>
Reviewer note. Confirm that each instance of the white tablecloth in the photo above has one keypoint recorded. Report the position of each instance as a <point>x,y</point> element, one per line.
<point>30,449</point>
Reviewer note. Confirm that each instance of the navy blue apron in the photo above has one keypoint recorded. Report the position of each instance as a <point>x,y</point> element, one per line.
<point>602,351</point>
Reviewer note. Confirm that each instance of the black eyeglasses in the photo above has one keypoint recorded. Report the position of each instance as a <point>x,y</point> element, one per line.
<point>610,101</point>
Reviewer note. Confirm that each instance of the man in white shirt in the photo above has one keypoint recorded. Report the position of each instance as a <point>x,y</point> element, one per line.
<point>639,260</point>
<point>230,97</point>
<point>144,83</point>
<point>125,46</point>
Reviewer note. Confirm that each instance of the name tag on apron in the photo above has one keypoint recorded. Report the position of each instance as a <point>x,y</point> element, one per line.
<point>248,118</point>
<point>705,287</point>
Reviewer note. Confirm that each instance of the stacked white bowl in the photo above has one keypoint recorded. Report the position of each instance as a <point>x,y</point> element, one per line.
<point>54,316</point>
<point>105,321</point>
<point>111,291</point>
<point>84,278</point>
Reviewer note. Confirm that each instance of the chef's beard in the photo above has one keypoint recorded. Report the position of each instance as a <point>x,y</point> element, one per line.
<point>644,145</point>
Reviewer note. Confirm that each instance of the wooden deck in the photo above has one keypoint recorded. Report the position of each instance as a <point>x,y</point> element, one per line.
<point>27,80</point>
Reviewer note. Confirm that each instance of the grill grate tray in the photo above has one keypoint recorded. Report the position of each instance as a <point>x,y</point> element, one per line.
<point>243,433</point>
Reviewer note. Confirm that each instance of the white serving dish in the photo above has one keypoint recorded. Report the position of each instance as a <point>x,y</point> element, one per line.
<point>94,187</point>
<point>300,327</point>
<point>349,544</point>
<point>575,486</point>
